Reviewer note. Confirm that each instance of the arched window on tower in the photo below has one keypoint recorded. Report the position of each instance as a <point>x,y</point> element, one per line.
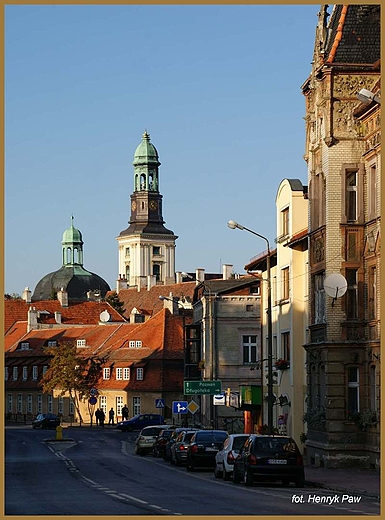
<point>136,182</point>
<point>142,182</point>
<point>68,255</point>
<point>127,273</point>
<point>156,271</point>
<point>76,255</point>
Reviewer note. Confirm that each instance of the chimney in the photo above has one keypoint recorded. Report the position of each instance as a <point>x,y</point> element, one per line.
<point>27,295</point>
<point>199,275</point>
<point>121,283</point>
<point>32,319</point>
<point>141,282</point>
<point>171,303</point>
<point>179,277</point>
<point>151,281</point>
<point>58,317</point>
<point>227,271</point>
<point>62,296</point>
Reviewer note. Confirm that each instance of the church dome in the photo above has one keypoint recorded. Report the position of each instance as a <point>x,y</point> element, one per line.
<point>146,153</point>
<point>72,234</point>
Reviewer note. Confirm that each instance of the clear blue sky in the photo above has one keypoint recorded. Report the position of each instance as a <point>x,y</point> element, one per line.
<point>216,86</point>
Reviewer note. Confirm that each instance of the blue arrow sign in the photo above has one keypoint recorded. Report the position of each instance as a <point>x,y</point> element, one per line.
<point>179,407</point>
<point>159,403</point>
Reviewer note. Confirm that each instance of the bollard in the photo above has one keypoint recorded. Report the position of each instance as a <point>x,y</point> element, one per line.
<point>59,433</point>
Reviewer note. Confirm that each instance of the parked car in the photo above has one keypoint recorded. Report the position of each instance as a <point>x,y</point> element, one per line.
<point>46,420</point>
<point>171,441</point>
<point>179,448</point>
<point>140,421</point>
<point>203,448</point>
<point>269,458</point>
<point>144,442</point>
<point>160,443</point>
<point>224,459</point>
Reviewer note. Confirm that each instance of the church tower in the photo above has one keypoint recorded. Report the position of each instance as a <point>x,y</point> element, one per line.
<point>146,247</point>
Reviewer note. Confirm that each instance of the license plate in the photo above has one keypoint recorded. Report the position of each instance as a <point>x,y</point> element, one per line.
<point>277,461</point>
<point>211,449</point>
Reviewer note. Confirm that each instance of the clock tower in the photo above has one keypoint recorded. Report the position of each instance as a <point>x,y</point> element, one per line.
<point>146,247</point>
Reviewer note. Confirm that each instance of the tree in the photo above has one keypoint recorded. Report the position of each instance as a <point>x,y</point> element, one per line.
<point>71,373</point>
<point>113,300</point>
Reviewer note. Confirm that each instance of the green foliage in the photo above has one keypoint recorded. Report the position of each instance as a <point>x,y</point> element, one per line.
<point>303,437</point>
<point>365,419</point>
<point>315,419</point>
<point>13,296</point>
<point>71,373</point>
<point>115,303</point>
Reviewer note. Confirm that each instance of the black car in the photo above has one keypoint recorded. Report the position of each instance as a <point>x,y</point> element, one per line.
<point>160,443</point>
<point>180,446</point>
<point>203,447</point>
<point>45,420</point>
<point>170,442</point>
<point>269,458</point>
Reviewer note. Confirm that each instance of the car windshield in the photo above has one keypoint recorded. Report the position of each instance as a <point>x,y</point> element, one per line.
<point>238,442</point>
<point>211,436</point>
<point>275,445</point>
<point>188,436</point>
<point>150,431</point>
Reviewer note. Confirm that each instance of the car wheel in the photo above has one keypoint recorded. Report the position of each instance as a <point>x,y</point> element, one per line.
<point>236,478</point>
<point>189,467</point>
<point>177,462</point>
<point>154,453</point>
<point>248,478</point>
<point>138,451</point>
<point>172,460</point>
<point>226,475</point>
<point>286,482</point>
<point>300,481</point>
<point>217,473</point>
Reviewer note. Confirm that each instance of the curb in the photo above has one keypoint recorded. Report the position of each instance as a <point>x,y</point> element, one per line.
<point>339,489</point>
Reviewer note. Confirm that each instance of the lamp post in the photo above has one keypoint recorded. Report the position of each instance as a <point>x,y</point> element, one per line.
<point>213,359</point>
<point>270,397</point>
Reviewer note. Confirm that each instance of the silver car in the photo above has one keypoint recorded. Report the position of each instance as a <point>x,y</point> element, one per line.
<point>224,459</point>
<point>179,448</point>
<point>145,441</point>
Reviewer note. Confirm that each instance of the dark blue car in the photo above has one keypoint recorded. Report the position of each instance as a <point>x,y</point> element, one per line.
<point>140,421</point>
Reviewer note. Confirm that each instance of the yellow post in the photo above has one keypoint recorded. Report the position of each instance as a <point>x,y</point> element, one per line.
<point>59,433</point>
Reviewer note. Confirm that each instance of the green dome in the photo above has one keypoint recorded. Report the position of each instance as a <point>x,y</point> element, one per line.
<point>146,152</point>
<point>72,235</point>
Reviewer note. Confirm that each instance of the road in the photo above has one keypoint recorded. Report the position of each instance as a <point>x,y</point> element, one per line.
<point>95,472</point>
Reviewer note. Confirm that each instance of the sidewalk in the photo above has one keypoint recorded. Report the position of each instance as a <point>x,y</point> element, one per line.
<point>352,481</point>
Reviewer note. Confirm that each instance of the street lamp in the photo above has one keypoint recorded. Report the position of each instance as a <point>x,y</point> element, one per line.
<point>270,396</point>
<point>367,96</point>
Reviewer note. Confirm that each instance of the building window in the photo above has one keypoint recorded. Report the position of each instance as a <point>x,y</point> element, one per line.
<point>249,308</point>
<point>139,374</point>
<point>29,403</point>
<point>119,374</point>
<point>106,373</point>
<point>10,403</point>
<point>249,346</point>
<point>51,343</point>
<point>156,250</point>
<point>319,298</point>
<point>25,373</point>
<point>126,374</point>
<point>254,289</point>
<point>24,346</point>
<point>50,403</point>
<point>14,374</point>
<point>127,272</point>
<point>138,344</point>
<point>285,283</point>
<point>372,192</point>
<point>45,368</point>
<point>127,251</point>
<point>131,344</point>
<point>60,405</point>
<point>372,293</point>
<point>351,246</point>
<point>39,403</point>
<point>6,373</point>
<point>351,196</point>
<point>285,222</point>
<point>71,407</point>
<point>103,403</point>
<point>285,346</point>
<point>119,405</point>
<point>80,343</point>
<point>34,372</point>
<point>136,406</point>
<point>19,403</point>
<point>352,294</point>
<point>353,390</point>
<point>156,271</point>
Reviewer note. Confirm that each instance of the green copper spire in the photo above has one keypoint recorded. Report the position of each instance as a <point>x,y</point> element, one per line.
<point>146,164</point>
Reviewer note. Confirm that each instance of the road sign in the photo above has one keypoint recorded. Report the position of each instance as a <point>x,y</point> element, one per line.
<point>179,407</point>
<point>159,403</point>
<point>92,400</point>
<point>202,387</point>
<point>219,399</point>
<point>192,407</point>
<point>94,392</point>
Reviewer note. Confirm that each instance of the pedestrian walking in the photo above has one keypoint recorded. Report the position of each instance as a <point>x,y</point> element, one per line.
<point>111,415</point>
<point>125,412</point>
<point>102,418</point>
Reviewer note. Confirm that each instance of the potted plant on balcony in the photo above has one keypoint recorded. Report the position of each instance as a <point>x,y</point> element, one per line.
<point>282,364</point>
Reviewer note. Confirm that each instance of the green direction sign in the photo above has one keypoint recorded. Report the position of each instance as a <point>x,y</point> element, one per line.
<point>202,387</point>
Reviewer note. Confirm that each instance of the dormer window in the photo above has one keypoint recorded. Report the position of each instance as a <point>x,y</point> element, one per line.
<point>80,343</point>
<point>135,344</point>
<point>52,343</point>
<point>106,373</point>
<point>139,374</point>
<point>24,345</point>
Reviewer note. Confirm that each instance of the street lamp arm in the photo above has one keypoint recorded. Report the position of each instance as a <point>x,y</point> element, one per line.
<point>234,225</point>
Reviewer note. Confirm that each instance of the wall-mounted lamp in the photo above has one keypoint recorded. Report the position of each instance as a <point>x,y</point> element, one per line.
<point>366,96</point>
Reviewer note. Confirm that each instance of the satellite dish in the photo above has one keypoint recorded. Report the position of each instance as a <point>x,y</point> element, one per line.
<point>335,285</point>
<point>104,316</point>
